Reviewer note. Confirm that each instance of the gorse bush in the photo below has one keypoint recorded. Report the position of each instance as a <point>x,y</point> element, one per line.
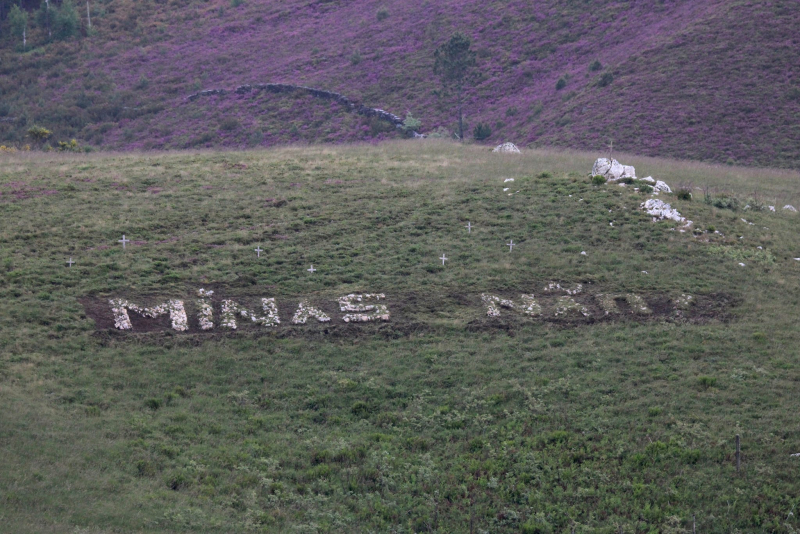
<point>646,189</point>
<point>382,14</point>
<point>411,123</point>
<point>481,132</point>
<point>724,202</point>
<point>595,65</point>
<point>561,83</point>
<point>683,194</point>
<point>598,179</point>
<point>39,133</point>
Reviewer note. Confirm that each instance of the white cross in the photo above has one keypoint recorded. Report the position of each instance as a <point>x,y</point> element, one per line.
<point>70,262</point>
<point>123,241</point>
<point>469,227</point>
<point>444,259</point>
<point>312,270</point>
<point>258,251</point>
<point>510,245</point>
<point>610,148</point>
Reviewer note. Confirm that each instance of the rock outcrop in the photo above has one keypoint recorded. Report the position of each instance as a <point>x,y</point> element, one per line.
<point>507,148</point>
<point>612,170</point>
<point>660,211</point>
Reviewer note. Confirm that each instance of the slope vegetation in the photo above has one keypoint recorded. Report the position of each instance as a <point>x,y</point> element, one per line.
<point>706,79</point>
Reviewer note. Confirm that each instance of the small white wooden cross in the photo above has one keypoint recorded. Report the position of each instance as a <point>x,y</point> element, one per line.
<point>312,270</point>
<point>510,245</point>
<point>610,148</point>
<point>123,241</point>
<point>258,250</point>
<point>444,259</point>
<point>70,262</point>
<point>469,227</point>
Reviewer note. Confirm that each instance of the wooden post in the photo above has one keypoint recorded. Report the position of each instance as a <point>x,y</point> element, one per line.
<point>738,453</point>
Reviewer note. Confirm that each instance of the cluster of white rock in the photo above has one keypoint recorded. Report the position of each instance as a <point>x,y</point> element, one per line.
<point>175,308</point>
<point>613,171</point>
<point>529,305</point>
<point>356,303</point>
<point>507,148</point>
<point>660,211</point>
<point>231,308</point>
<point>554,286</point>
<point>206,311</point>
<point>305,310</point>
<point>567,305</point>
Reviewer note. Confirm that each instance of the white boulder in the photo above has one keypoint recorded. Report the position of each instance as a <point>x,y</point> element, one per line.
<point>612,170</point>
<point>648,179</point>
<point>661,186</point>
<point>507,148</point>
<point>789,207</point>
<point>660,211</point>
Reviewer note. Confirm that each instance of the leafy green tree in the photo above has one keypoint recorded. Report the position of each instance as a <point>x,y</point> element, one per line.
<point>66,21</point>
<point>45,16</point>
<point>455,66</point>
<point>18,22</point>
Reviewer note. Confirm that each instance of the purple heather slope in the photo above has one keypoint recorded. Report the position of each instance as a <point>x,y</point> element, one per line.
<point>702,79</point>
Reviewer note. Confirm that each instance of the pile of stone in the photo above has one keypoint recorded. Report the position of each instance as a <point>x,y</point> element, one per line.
<point>613,171</point>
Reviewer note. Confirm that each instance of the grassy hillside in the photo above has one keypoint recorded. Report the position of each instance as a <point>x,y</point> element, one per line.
<point>440,420</point>
<point>704,79</point>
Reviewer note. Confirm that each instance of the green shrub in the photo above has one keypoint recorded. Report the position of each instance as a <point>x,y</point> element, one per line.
<point>481,132</point>
<point>561,83</point>
<point>725,202</point>
<point>711,228</point>
<point>355,58</point>
<point>683,194</point>
<point>707,382</point>
<point>598,179</point>
<point>39,133</point>
<point>595,65</point>
<point>229,124</point>
<point>654,411</point>
<point>153,403</point>
<point>605,79</point>
<point>382,14</point>
<point>236,3</point>
<point>411,123</point>
<point>143,83</point>
<point>360,409</point>
<point>545,175</point>
<point>646,189</point>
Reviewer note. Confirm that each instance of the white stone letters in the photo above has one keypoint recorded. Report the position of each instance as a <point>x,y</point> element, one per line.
<point>358,303</point>
<point>305,310</point>
<point>122,321</point>
<point>230,308</point>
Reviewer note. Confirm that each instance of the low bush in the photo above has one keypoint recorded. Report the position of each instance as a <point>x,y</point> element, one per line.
<point>561,83</point>
<point>605,79</point>
<point>598,179</point>
<point>595,65</point>
<point>724,202</point>
<point>647,189</point>
<point>683,194</point>
<point>706,381</point>
<point>481,132</point>
<point>382,14</point>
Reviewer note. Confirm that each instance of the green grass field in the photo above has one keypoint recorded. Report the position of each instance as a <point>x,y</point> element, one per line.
<point>440,420</point>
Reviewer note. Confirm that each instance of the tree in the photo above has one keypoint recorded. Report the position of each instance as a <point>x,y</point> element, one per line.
<point>44,18</point>
<point>455,66</point>
<point>66,21</point>
<point>18,21</point>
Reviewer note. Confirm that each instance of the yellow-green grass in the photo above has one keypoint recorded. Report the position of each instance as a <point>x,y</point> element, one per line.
<point>441,420</point>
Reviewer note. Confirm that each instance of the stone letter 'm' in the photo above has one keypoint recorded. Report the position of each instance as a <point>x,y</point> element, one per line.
<point>122,321</point>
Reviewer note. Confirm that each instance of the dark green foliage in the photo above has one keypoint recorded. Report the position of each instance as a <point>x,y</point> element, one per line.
<point>66,21</point>
<point>684,194</point>
<point>725,202</point>
<point>17,21</point>
<point>605,79</point>
<point>454,63</point>
<point>382,14</point>
<point>598,179</point>
<point>355,58</point>
<point>229,124</point>
<point>595,65</point>
<point>646,189</point>
<point>706,382</point>
<point>481,131</point>
<point>561,83</point>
